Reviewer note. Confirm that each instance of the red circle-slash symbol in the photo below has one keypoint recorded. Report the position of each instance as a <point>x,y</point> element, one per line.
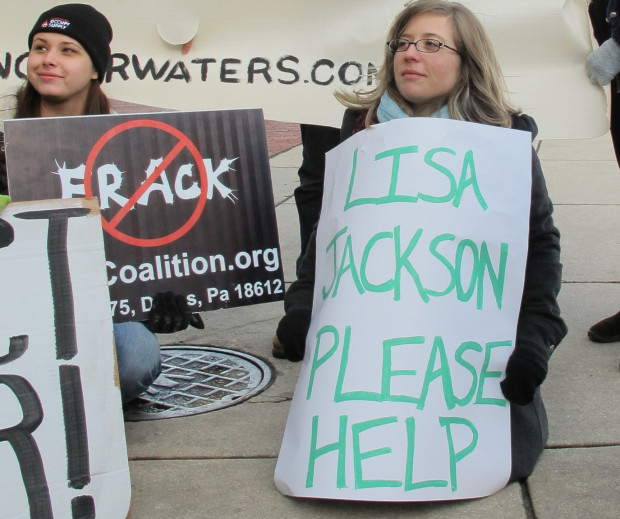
<point>183,142</point>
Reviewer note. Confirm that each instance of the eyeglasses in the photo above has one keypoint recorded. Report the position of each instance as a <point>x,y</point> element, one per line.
<point>401,45</point>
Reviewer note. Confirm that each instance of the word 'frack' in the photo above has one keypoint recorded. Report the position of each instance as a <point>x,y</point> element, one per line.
<point>186,184</point>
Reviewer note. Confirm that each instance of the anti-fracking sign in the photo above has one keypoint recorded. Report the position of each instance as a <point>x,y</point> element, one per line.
<point>421,252</point>
<point>186,200</point>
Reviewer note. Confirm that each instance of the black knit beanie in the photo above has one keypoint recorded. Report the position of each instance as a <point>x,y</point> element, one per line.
<point>83,23</point>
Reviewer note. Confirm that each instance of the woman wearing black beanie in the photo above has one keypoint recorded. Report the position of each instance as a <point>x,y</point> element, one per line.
<point>69,54</point>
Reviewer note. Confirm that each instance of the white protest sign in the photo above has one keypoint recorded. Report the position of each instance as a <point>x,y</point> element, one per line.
<point>421,252</point>
<point>289,58</point>
<point>62,440</point>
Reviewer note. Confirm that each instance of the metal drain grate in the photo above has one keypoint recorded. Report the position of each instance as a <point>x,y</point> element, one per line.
<point>199,379</point>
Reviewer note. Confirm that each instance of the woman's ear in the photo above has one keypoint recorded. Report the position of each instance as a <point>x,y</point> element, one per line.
<point>95,74</point>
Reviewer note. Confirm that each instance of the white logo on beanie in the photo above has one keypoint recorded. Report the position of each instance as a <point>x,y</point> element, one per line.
<point>56,23</point>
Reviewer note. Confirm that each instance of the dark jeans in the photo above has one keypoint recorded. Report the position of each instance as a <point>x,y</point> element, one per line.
<point>316,141</point>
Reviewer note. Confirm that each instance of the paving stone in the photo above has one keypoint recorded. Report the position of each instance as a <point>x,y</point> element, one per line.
<point>244,488</point>
<point>577,483</point>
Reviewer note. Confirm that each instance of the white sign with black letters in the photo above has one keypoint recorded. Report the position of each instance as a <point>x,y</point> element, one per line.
<point>62,437</point>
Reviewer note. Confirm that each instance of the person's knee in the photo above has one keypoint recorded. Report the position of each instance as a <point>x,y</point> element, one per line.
<point>136,377</point>
<point>135,383</point>
<point>138,358</point>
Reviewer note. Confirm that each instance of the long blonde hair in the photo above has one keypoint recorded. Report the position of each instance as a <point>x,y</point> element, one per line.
<point>480,95</point>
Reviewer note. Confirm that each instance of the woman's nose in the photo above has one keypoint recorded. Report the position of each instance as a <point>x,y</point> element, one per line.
<point>50,57</point>
<point>412,52</point>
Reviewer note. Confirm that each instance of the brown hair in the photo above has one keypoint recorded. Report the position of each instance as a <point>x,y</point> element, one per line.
<point>29,101</point>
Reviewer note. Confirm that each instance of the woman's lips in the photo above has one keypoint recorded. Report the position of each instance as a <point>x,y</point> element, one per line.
<point>411,74</point>
<point>48,76</point>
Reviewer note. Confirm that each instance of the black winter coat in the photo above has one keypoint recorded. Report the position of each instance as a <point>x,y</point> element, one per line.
<point>540,327</point>
<point>605,19</point>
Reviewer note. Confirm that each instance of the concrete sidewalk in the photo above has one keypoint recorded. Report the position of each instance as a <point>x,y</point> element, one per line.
<point>221,464</point>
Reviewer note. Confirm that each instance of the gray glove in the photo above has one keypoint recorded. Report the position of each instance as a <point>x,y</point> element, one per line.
<point>603,64</point>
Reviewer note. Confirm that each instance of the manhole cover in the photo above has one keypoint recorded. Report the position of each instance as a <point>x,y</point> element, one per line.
<point>199,379</point>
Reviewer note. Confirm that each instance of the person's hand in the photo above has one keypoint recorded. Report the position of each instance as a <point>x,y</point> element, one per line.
<point>292,331</point>
<point>603,64</point>
<point>169,314</point>
<point>522,378</point>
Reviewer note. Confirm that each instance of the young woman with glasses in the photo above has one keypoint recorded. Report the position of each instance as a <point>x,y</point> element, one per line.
<point>439,62</point>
